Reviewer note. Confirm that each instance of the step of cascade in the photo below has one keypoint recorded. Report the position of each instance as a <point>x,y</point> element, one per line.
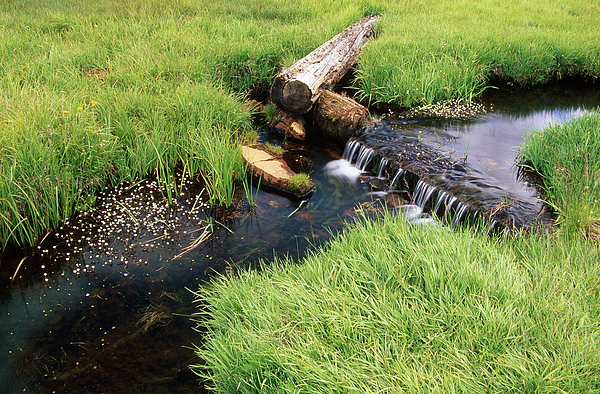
<point>425,197</point>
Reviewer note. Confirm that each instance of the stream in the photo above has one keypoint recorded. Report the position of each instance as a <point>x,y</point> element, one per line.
<point>103,304</point>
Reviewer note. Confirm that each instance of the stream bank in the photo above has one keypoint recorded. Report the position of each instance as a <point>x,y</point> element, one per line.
<point>98,309</point>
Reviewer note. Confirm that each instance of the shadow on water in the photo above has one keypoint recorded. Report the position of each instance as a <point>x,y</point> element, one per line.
<point>102,304</point>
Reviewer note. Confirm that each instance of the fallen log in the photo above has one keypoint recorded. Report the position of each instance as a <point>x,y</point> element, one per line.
<point>338,116</point>
<point>296,88</point>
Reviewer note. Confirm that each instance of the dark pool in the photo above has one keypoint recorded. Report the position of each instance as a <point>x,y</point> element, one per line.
<point>102,305</point>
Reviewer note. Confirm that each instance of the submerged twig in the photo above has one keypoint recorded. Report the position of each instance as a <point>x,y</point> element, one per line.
<point>197,242</point>
<point>18,267</point>
<point>297,209</point>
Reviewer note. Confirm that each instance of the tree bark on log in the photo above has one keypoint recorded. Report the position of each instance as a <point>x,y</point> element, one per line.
<point>298,87</point>
<point>338,117</point>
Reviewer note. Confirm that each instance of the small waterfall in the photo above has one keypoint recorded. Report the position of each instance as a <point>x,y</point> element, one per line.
<point>342,169</point>
<point>364,158</point>
<point>382,166</point>
<point>443,198</point>
<point>426,198</point>
<point>459,214</point>
<point>357,154</point>
<point>423,193</point>
<point>443,203</point>
<point>350,150</point>
<point>396,179</point>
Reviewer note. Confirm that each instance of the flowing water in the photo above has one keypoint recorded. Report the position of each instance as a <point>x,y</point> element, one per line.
<point>102,304</point>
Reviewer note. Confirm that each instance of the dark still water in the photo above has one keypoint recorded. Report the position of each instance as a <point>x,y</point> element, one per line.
<point>103,304</point>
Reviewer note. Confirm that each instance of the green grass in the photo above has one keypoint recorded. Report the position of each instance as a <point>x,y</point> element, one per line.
<point>94,93</point>
<point>97,93</point>
<point>568,158</point>
<point>300,183</point>
<point>390,308</point>
<point>168,80</point>
<point>430,51</point>
<point>274,149</point>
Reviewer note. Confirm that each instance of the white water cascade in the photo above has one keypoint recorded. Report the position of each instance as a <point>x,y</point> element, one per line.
<point>427,200</point>
<point>453,209</point>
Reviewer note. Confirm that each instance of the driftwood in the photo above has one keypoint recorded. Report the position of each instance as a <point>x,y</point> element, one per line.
<point>338,116</point>
<point>298,87</point>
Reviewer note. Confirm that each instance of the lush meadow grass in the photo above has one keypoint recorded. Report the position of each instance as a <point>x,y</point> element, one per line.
<point>98,93</point>
<point>431,51</point>
<point>568,158</point>
<point>386,307</point>
<point>93,93</point>
<point>390,308</point>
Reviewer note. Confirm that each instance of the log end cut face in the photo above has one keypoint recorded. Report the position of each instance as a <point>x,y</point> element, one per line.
<point>293,96</point>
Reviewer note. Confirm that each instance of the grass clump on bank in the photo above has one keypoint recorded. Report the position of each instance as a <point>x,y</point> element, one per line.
<point>567,156</point>
<point>387,307</point>
<point>58,150</point>
<point>300,183</point>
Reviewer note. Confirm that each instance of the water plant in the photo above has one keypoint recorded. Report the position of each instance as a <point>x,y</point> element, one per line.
<point>300,183</point>
<point>466,155</point>
<point>250,195</point>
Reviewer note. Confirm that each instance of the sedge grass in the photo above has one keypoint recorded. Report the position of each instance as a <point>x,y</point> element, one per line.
<point>390,308</point>
<point>567,156</point>
<point>430,51</point>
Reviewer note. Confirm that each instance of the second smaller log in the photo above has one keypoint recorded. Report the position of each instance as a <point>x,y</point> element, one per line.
<point>339,116</point>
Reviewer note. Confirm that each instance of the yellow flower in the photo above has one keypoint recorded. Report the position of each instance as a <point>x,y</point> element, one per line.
<point>65,111</point>
<point>92,102</point>
<point>79,108</point>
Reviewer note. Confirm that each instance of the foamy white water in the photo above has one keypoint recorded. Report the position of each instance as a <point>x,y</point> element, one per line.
<point>342,169</point>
